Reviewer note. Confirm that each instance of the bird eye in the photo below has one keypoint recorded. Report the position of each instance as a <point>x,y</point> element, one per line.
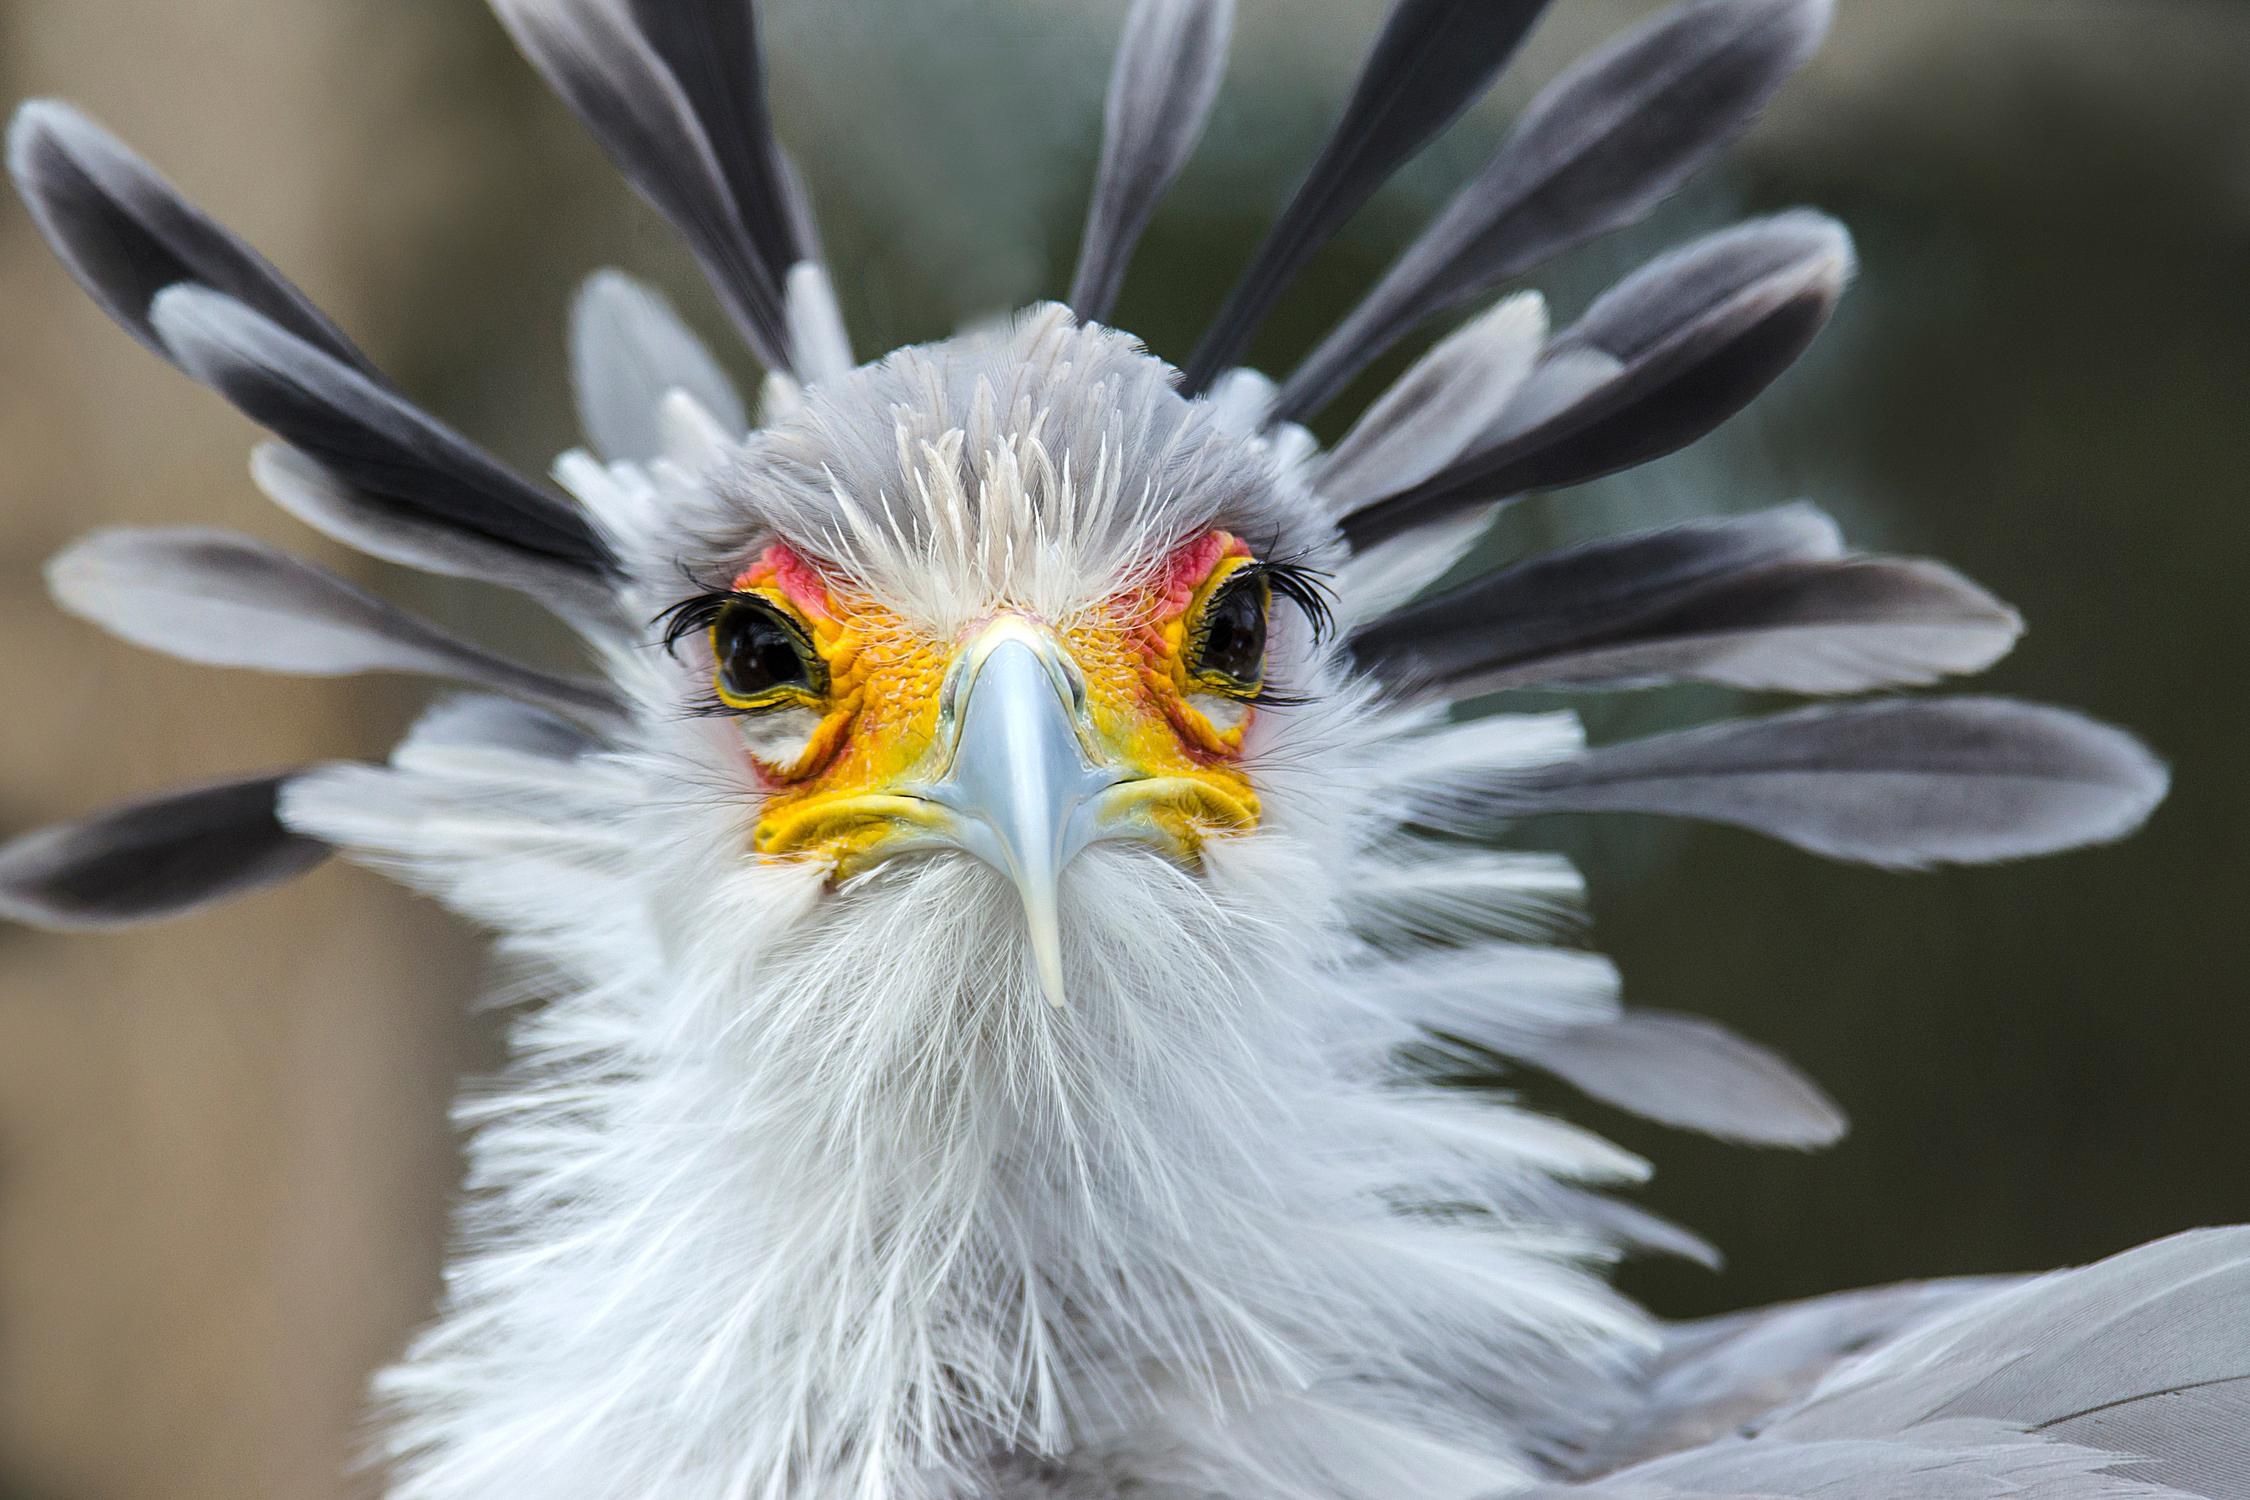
<point>764,658</point>
<point>1228,635</point>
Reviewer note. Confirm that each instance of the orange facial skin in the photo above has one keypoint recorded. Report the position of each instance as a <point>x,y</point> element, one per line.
<point>880,721</point>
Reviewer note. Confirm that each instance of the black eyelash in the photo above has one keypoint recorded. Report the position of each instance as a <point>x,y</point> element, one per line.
<point>1315,597</point>
<point>1307,588</point>
<point>690,617</point>
<point>693,616</point>
<point>711,706</point>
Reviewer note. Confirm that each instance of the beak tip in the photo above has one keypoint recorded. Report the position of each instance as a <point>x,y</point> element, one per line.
<point>1045,925</point>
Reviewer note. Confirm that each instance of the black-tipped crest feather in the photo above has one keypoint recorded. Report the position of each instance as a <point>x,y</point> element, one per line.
<point>1761,602</point>
<point>391,455</point>
<point>154,859</point>
<point>126,234</point>
<point>1596,151</point>
<point>1660,360</point>
<point>1167,74</point>
<point>1432,61</point>
<point>674,91</point>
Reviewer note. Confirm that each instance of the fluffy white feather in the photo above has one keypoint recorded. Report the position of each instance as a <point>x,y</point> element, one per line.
<point>793,1191</point>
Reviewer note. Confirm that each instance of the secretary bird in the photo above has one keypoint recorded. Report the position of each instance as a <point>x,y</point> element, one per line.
<point>1003,899</point>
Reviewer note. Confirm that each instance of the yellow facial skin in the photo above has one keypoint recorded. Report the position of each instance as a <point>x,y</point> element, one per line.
<point>849,798</point>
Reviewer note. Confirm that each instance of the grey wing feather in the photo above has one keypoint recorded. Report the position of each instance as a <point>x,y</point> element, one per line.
<point>126,234</point>
<point>503,724</point>
<point>628,351</point>
<point>1691,1073</point>
<point>2128,1378</point>
<point>1975,1461</point>
<point>1665,356</point>
<point>1169,66</point>
<point>2146,1353</point>
<point>1719,601</point>
<point>393,457</point>
<point>1600,147</point>
<point>226,600</point>
<point>1432,60</point>
<point>154,859</point>
<point>1905,784</point>
<point>1719,1375</point>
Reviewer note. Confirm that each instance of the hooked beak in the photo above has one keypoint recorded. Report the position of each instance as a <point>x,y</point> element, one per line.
<point>1022,767</point>
<point>1023,788</point>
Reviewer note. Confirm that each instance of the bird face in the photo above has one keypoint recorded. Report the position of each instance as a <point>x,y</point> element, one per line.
<point>1009,596</point>
<point>1018,737</point>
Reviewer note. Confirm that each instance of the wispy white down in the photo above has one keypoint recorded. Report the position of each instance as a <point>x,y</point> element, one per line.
<point>793,1190</point>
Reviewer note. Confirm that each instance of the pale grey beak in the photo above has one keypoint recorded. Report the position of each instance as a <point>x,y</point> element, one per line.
<point>1022,786</point>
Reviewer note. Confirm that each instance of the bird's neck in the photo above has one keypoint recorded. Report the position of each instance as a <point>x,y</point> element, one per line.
<point>860,1213</point>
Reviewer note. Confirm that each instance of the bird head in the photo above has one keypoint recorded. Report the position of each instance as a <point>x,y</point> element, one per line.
<point>946,625</point>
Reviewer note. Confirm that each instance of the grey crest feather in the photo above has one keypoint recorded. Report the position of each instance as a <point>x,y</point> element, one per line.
<point>1691,1073</point>
<point>628,350</point>
<point>126,234</point>
<point>1651,307</point>
<point>711,48</point>
<point>1658,361</point>
<point>1389,574</point>
<point>1550,593</point>
<point>153,859</point>
<point>1596,151</point>
<point>1905,783</point>
<point>675,93</point>
<point>130,239</point>
<point>1167,75</point>
<point>502,724</point>
<point>819,344</point>
<point>419,540</point>
<point>1733,602</point>
<point>227,600</point>
<point>1431,62</point>
<point>1433,413</point>
<point>1634,1229</point>
<point>393,457</point>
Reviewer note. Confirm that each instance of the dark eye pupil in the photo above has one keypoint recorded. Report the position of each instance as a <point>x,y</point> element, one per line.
<point>756,652</point>
<point>1234,634</point>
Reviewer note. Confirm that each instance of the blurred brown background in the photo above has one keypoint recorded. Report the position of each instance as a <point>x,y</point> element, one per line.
<point>223,1154</point>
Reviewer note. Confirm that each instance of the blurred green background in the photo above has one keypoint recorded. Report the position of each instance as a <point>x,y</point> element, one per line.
<point>223,1155</point>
